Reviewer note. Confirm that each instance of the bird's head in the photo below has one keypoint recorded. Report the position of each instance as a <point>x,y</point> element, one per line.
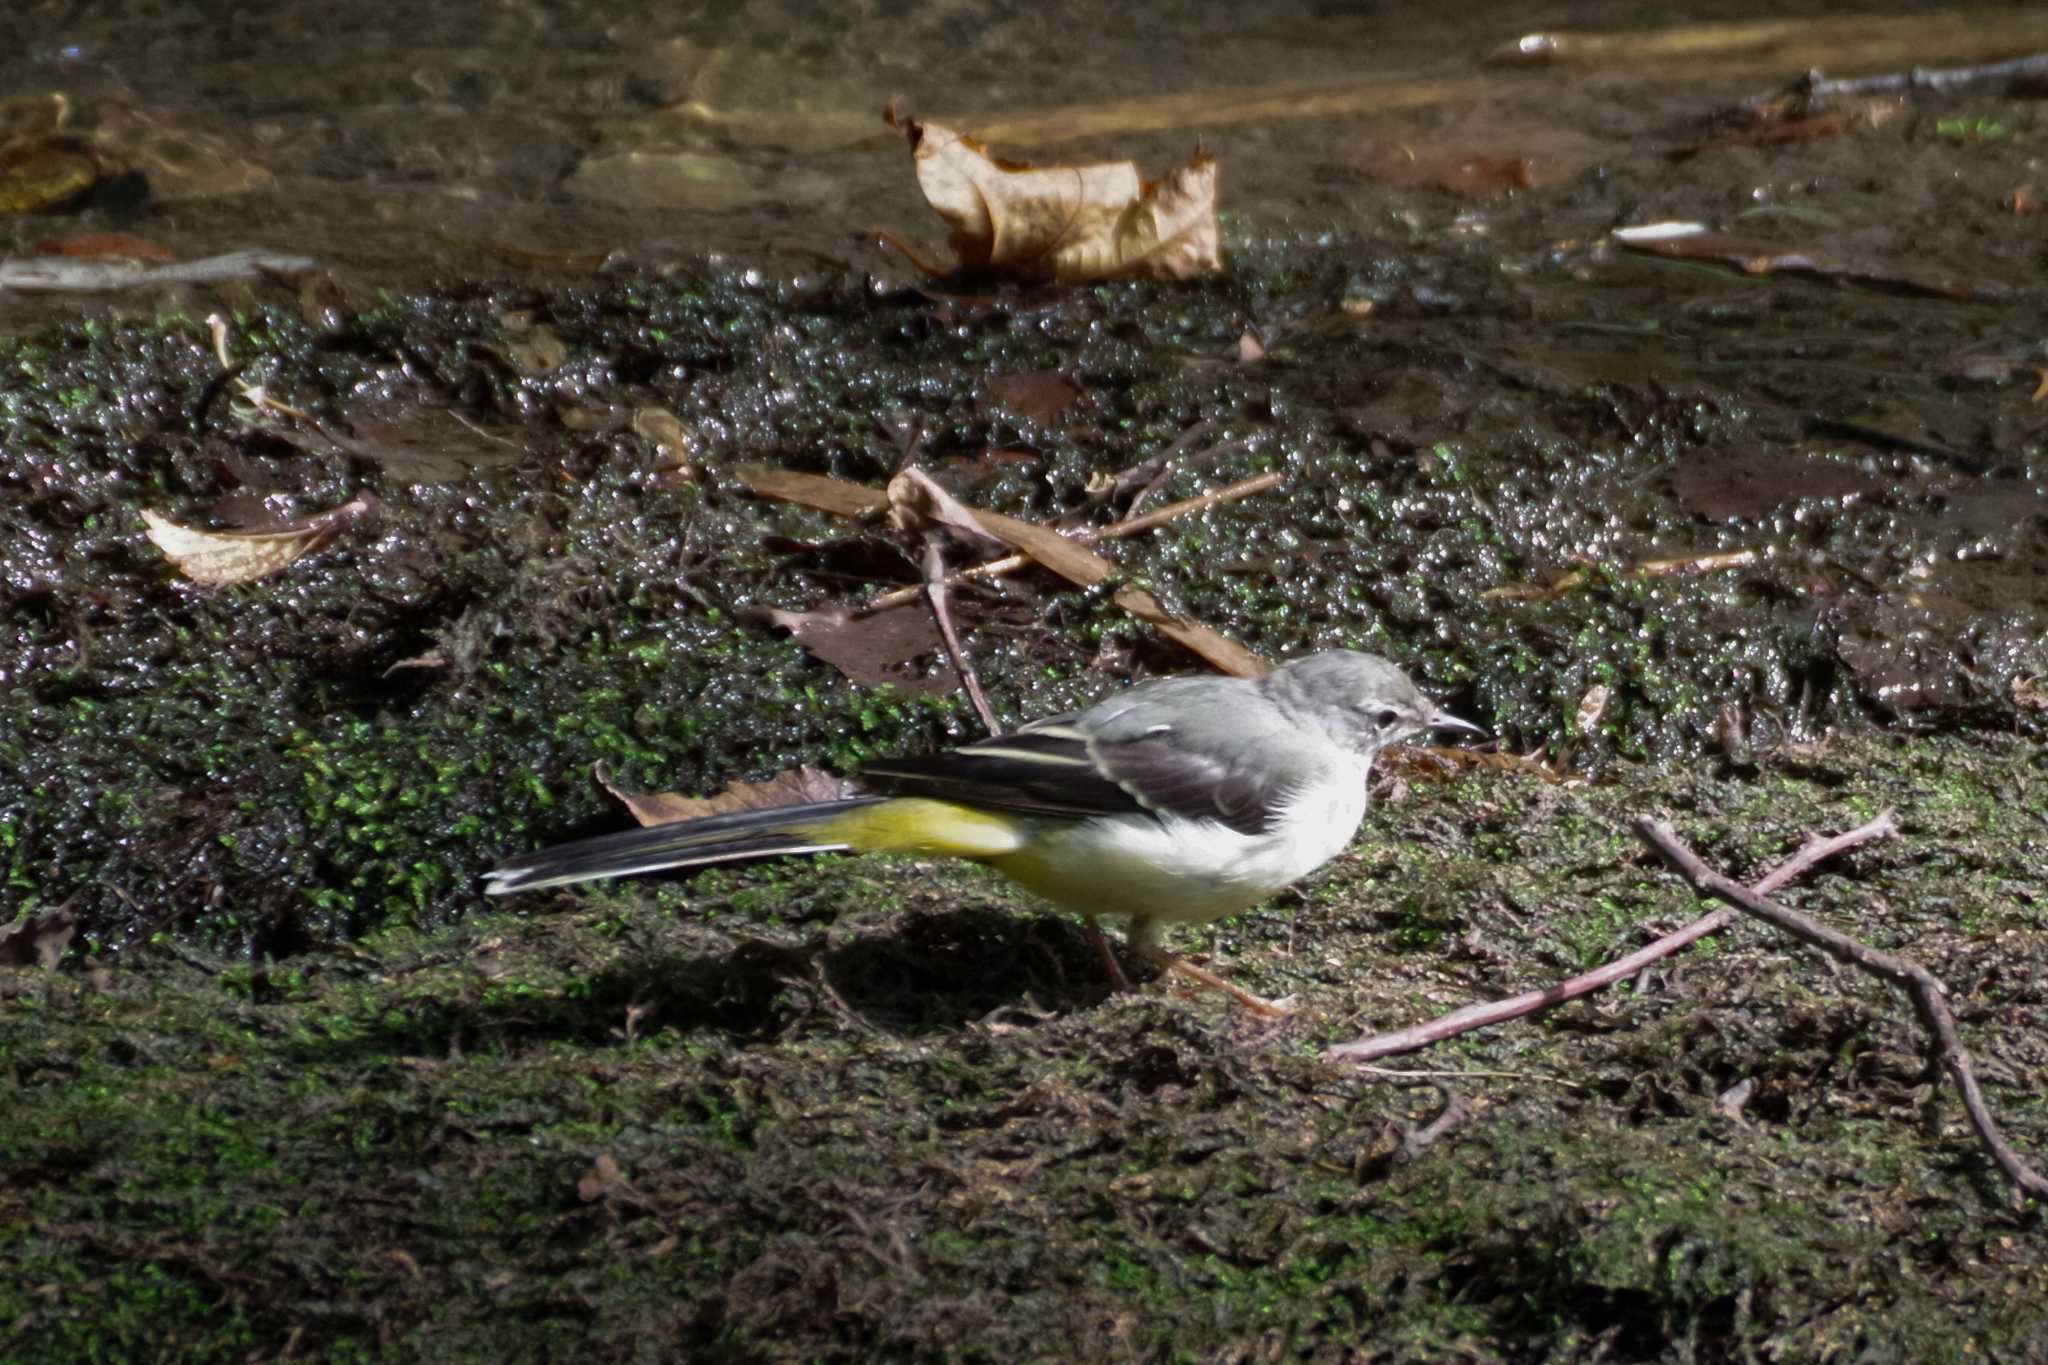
<point>1362,700</point>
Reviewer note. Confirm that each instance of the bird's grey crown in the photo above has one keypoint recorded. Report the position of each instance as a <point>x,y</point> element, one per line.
<point>1360,700</point>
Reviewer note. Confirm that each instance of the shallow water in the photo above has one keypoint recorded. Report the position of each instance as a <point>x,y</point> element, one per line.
<point>410,140</point>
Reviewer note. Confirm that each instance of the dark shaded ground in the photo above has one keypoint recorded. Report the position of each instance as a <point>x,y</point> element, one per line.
<point>293,1092</point>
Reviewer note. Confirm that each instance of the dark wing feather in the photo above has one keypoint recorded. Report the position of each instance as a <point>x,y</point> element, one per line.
<point>1199,748</point>
<point>1165,777</point>
<point>1042,771</point>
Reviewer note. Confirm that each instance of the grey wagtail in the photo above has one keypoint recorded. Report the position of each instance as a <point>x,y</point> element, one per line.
<point>1176,801</point>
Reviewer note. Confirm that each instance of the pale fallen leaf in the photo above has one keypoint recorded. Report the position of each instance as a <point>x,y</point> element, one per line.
<point>668,433</point>
<point>1592,706</point>
<point>219,559</point>
<point>38,940</point>
<point>433,658</point>
<point>1066,223</point>
<point>816,491</point>
<point>797,786</point>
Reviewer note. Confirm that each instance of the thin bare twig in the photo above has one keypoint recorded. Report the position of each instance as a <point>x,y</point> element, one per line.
<point>1491,1012</point>
<point>1815,88</point>
<point>1453,1074</point>
<point>1009,564</point>
<point>1173,511</point>
<point>1920,986</point>
<point>935,587</point>
<point>1144,478</point>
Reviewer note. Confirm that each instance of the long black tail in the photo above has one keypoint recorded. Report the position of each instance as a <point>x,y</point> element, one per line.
<point>686,843</point>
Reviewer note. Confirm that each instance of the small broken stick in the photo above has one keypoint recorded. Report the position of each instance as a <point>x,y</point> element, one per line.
<point>1930,1000</point>
<point>1490,1012</point>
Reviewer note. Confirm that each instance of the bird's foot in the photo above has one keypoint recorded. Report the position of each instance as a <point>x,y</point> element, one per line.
<point>1117,980</point>
<point>1257,1004</point>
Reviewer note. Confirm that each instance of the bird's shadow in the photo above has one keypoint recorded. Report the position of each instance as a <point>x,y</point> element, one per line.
<point>928,972</point>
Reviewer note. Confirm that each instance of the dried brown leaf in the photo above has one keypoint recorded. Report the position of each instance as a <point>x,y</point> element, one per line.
<point>1067,223</point>
<point>873,649</point>
<point>1083,567</point>
<point>1041,396</point>
<point>795,787</point>
<point>1419,760</point>
<point>816,491</point>
<point>667,431</point>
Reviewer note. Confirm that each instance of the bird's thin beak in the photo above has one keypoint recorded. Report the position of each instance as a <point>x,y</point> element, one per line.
<point>1444,720</point>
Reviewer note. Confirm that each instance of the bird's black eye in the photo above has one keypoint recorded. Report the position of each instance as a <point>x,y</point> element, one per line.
<point>1385,719</point>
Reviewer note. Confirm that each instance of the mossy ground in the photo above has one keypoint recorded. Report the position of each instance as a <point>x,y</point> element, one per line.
<point>886,1110</point>
<point>298,1090</point>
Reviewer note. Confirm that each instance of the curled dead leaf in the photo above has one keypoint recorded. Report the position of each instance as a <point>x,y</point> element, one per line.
<point>1066,223</point>
<point>218,559</point>
<point>918,506</point>
<point>38,940</point>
